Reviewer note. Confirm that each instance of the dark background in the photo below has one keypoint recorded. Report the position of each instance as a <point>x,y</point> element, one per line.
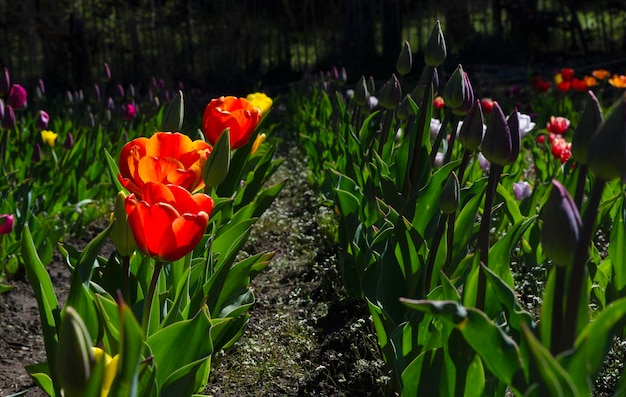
<point>229,46</point>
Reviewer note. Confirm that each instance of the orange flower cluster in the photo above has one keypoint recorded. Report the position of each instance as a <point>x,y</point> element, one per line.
<point>566,80</point>
<point>161,172</point>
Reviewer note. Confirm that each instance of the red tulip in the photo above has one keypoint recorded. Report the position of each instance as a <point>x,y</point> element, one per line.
<point>567,74</point>
<point>558,125</point>
<point>168,222</point>
<point>165,157</point>
<point>237,114</point>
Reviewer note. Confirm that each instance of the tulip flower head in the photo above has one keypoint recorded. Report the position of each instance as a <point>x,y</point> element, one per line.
<point>164,157</point>
<point>439,102</point>
<point>618,81</point>
<point>8,119</point>
<point>49,137</point>
<point>42,120</point>
<point>487,105</point>
<point>69,141</point>
<point>261,101</point>
<point>558,125</point>
<point>601,74</point>
<point>168,222</point>
<point>522,190</point>
<point>17,96</point>
<point>7,223</point>
<point>561,226</point>
<point>236,114</point>
<point>130,111</point>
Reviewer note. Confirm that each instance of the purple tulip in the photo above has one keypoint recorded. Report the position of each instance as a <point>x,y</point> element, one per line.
<point>7,223</point>
<point>130,111</point>
<point>522,190</point>
<point>483,162</point>
<point>561,226</point>
<point>119,92</point>
<point>17,96</point>
<point>106,73</point>
<point>36,157</point>
<point>69,141</point>
<point>42,120</point>
<point>8,120</point>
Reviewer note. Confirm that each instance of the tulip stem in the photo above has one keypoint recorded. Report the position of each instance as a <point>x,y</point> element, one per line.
<point>450,241</point>
<point>557,309</point>
<point>483,233</point>
<point>580,186</point>
<point>455,123</point>
<point>150,295</point>
<point>467,154</point>
<point>577,277</point>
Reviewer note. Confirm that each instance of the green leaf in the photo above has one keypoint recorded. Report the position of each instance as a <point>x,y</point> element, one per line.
<point>114,171</point>
<point>43,289</point>
<point>418,375</point>
<point>41,375</point>
<point>617,247</point>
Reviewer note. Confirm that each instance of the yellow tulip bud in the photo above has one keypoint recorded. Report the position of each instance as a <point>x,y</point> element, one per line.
<point>257,142</point>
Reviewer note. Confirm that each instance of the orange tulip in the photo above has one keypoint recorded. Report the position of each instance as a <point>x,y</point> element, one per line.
<point>601,74</point>
<point>168,222</point>
<point>237,114</point>
<point>618,81</point>
<point>590,81</point>
<point>164,157</point>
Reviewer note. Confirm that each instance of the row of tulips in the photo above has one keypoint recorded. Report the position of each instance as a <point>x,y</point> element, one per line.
<point>147,319</point>
<point>436,241</point>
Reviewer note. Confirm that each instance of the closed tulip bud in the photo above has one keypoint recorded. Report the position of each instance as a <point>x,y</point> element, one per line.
<point>454,91</point>
<point>119,93</point>
<point>174,114</point>
<point>468,98</point>
<point>95,96</point>
<point>405,59</point>
<point>472,129</point>
<point>121,233</point>
<point>69,98</point>
<point>36,157</point>
<point>496,145</point>
<point>522,190</point>
<point>1,110</point>
<point>106,73</point>
<point>17,96</point>
<point>607,149</point>
<point>41,86</point>
<point>513,123</point>
<point>343,77</point>
<point>390,94</point>
<point>449,199</point>
<point>69,141</point>
<point>5,82</point>
<point>407,108</point>
<point>258,141</point>
<point>218,163</point>
<point>42,120</point>
<point>110,105</point>
<point>361,92</point>
<point>8,120</point>
<point>7,223</point>
<point>371,85</point>
<point>427,72</point>
<point>588,123</point>
<point>435,51</point>
<point>561,226</point>
<point>131,92</point>
<point>74,356</point>
<point>79,96</point>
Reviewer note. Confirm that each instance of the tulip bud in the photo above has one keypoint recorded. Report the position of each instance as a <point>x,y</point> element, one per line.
<point>513,123</point>
<point>522,190</point>
<point>5,82</point>
<point>7,223</point>
<point>343,77</point>
<point>588,123</point>
<point>390,94</point>
<point>454,91</point>
<point>1,110</point>
<point>449,199</point>
<point>405,59</point>
<point>257,143</point>
<point>122,236</point>
<point>106,73</point>
<point>472,129</point>
<point>42,120</point>
<point>36,157</point>
<point>496,145</point>
<point>41,86</point>
<point>371,85</point>
<point>407,108</point>
<point>174,114</point>
<point>468,97</point>
<point>69,141</point>
<point>217,164</point>
<point>69,98</point>
<point>561,226</point>
<point>119,93</point>
<point>428,73</point>
<point>607,149</point>
<point>435,51</point>
<point>8,121</point>
<point>74,356</point>
<point>95,96</point>
<point>361,92</point>
<point>17,96</point>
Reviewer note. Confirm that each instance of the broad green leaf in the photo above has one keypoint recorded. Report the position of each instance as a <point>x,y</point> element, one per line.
<point>417,378</point>
<point>114,171</point>
<point>41,375</point>
<point>500,253</point>
<point>617,247</point>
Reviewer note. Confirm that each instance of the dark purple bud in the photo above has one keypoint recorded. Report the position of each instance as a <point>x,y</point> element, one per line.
<point>607,149</point>
<point>1,110</point>
<point>118,92</point>
<point>404,63</point>
<point>154,83</point>
<point>69,98</point>
<point>5,82</point>
<point>110,104</point>
<point>42,120</point>
<point>17,96</point>
<point>590,119</point>
<point>449,199</point>
<point>343,77</point>
<point>95,97</point>
<point>371,85</point>
<point>454,91</point>
<point>435,51</point>
<point>390,94</point>
<point>7,223</point>
<point>69,141</point>
<point>513,123</point>
<point>361,93</point>
<point>468,97</point>
<point>472,129</point>
<point>496,145</point>
<point>36,157</point>
<point>41,86</point>
<point>8,121</point>
<point>560,231</point>
<point>106,73</point>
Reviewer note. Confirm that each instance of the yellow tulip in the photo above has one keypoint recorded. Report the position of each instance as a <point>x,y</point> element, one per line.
<point>48,137</point>
<point>261,101</point>
<point>110,369</point>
